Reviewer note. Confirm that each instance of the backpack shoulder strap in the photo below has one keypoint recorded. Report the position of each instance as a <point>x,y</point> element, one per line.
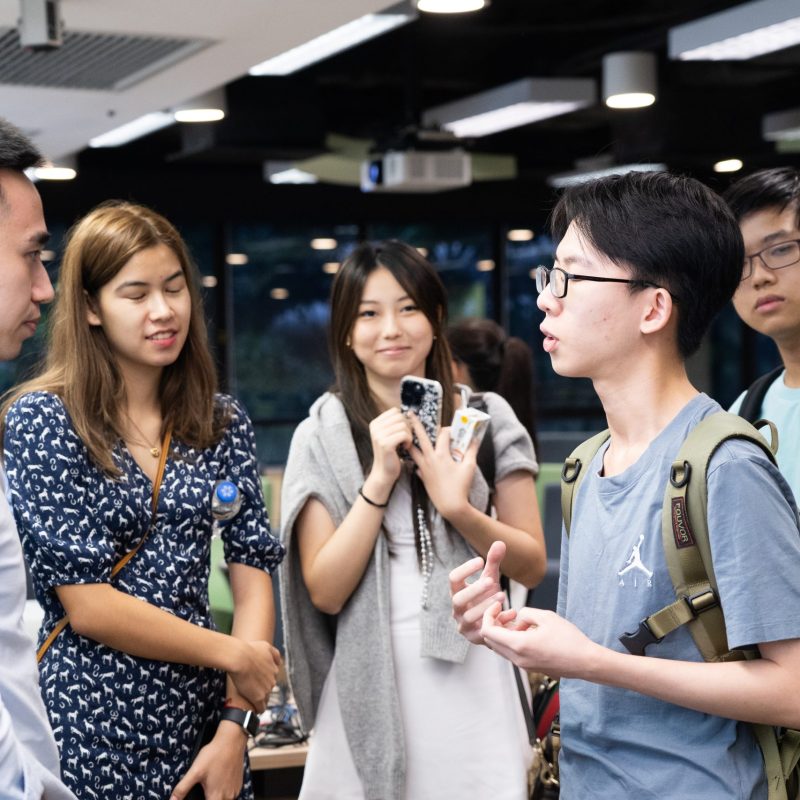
<point>684,531</point>
<point>572,472</point>
<point>750,408</point>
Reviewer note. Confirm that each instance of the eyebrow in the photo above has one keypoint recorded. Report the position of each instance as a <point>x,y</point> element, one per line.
<point>137,284</point>
<point>569,260</point>
<point>377,302</point>
<point>40,238</point>
<point>776,235</point>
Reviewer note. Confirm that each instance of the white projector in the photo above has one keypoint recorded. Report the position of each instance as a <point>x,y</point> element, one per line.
<point>416,171</point>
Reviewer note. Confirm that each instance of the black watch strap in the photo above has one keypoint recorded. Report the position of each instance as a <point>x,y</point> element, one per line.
<point>247,719</point>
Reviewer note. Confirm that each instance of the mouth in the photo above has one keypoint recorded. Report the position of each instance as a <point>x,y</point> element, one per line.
<point>162,337</point>
<point>768,303</point>
<point>550,342</point>
<point>393,351</point>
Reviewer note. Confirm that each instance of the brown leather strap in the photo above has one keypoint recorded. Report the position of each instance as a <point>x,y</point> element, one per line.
<point>64,621</point>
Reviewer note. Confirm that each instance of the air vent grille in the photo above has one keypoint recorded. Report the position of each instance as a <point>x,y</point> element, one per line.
<point>91,60</point>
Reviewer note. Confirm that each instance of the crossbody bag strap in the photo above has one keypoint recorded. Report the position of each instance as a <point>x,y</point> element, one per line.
<point>162,463</point>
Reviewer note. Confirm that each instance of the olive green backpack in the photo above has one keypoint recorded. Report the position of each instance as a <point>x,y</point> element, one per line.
<point>684,533</point>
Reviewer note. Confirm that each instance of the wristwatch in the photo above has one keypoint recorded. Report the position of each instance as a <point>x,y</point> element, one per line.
<point>247,719</point>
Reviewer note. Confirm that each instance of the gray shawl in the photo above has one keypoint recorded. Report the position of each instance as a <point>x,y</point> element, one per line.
<point>323,463</point>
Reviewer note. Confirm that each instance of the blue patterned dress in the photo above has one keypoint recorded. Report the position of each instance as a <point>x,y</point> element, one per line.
<point>126,726</point>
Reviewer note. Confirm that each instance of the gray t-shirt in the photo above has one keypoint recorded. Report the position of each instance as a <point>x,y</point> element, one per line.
<point>618,743</point>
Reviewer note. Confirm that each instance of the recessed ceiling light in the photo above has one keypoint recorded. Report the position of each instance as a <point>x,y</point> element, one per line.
<point>485,265</point>
<point>451,6</point>
<point>207,107</point>
<point>199,115</point>
<point>47,255</point>
<point>423,251</point>
<point>728,165</point>
<point>236,259</point>
<point>330,267</point>
<point>279,293</point>
<point>323,243</point>
<point>54,173</point>
<point>520,235</point>
<point>209,281</point>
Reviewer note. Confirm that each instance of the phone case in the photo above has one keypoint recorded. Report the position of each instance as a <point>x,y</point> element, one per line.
<point>424,397</point>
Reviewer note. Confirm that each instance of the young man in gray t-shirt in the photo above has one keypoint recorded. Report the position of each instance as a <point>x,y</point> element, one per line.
<point>644,263</point>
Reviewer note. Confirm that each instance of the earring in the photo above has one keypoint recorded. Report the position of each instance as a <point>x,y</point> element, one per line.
<point>348,343</point>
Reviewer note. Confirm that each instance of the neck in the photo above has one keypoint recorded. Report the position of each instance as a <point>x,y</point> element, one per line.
<point>639,404</point>
<point>386,392</point>
<point>790,355</point>
<point>141,392</point>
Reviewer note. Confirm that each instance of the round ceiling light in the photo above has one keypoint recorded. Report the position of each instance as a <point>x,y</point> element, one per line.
<point>629,80</point>
<point>728,165</point>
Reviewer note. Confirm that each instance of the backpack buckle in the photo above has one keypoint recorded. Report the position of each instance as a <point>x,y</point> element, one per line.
<point>702,601</point>
<point>636,641</point>
<point>571,470</point>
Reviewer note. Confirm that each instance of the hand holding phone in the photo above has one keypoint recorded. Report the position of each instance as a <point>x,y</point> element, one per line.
<point>424,397</point>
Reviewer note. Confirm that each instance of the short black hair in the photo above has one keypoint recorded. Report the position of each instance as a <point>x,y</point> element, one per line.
<point>17,151</point>
<point>668,230</point>
<point>767,188</point>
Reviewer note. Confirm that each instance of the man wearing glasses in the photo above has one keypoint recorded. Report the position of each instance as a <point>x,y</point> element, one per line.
<point>767,206</point>
<point>643,264</point>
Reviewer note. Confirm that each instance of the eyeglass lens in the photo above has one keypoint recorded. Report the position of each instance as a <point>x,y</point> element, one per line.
<point>777,256</point>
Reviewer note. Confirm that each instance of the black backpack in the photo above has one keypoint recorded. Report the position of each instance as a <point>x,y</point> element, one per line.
<point>754,396</point>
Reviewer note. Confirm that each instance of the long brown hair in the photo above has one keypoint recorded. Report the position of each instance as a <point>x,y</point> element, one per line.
<point>423,285</point>
<point>80,366</point>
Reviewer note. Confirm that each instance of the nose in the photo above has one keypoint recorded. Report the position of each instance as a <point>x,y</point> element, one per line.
<point>41,287</point>
<point>546,302</point>
<point>390,325</point>
<point>159,307</point>
<point>762,274</point>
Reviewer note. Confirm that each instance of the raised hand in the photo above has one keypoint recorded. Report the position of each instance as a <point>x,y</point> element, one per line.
<point>388,431</point>
<point>447,481</point>
<point>471,600</point>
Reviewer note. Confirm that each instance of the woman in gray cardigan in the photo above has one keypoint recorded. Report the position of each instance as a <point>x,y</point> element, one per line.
<point>375,661</point>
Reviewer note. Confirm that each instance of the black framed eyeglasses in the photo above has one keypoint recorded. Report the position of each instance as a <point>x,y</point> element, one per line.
<point>558,280</point>
<point>776,256</point>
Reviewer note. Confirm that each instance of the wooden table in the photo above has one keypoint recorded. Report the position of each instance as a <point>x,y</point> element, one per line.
<point>290,755</point>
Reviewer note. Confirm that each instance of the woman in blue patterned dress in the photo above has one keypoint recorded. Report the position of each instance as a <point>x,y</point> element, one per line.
<point>130,682</point>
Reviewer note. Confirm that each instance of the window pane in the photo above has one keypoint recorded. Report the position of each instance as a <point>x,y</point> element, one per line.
<point>463,257</point>
<point>278,323</point>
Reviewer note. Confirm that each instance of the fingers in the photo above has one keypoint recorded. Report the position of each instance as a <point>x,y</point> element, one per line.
<point>495,556</point>
<point>190,779</point>
<point>422,435</point>
<point>458,576</point>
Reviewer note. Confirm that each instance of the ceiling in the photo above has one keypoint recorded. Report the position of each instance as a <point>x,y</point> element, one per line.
<point>377,91</point>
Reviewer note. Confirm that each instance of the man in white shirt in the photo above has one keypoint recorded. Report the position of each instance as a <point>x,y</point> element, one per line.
<point>29,765</point>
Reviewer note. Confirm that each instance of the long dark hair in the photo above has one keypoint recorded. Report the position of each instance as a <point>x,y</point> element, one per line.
<point>497,363</point>
<point>423,285</point>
